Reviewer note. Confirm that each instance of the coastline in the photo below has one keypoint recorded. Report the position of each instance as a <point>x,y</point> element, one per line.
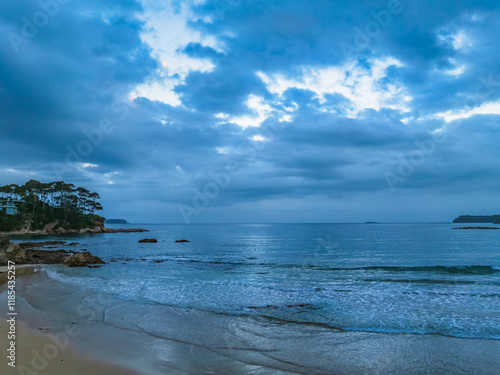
<point>157,339</point>
<point>138,311</point>
<point>21,270</point>
<point>97,230</point>
<point>113,344</point>
<point>30,342</point>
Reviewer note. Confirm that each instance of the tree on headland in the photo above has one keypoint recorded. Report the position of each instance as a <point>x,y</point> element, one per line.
<point>38,204</point>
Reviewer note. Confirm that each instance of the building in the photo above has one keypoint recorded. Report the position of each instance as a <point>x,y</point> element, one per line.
<point>9,208</point>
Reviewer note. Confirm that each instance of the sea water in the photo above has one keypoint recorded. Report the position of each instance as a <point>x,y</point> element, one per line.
<point>301,298</point>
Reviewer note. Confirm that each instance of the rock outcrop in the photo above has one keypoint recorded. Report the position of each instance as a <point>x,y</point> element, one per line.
<point>98,228</point>
<point>148,240</point>
<point>30,253</point>
<point>82,260</point>
<point>181,241</point>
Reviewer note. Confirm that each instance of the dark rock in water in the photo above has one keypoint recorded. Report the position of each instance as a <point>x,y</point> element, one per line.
<point>40,256</point>
<point>477,228</point>
<point>181,241</point>
<point>26,245</point>
<point>148,240</point>
<point>82,259</point>
<point>115,221</point>
<point>477,219</point>
<point>22,254</point>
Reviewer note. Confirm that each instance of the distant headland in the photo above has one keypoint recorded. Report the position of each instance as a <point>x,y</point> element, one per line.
<point>492,219</point>
<point>115,221</point>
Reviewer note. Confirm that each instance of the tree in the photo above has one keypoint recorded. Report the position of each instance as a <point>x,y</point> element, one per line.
<point>40,203</point>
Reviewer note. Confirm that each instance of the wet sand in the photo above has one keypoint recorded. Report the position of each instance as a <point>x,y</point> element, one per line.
<point>21,270</point>
<point>30,346</point>
<point>36,353</point>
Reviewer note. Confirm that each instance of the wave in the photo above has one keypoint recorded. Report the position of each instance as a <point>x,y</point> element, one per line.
<point>464,333</point>
<point>458,270</point>
<point>450,270</point>
<point>427,281</point>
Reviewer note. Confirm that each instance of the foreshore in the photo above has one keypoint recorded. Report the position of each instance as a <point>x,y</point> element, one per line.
<point>30,345</point>
<point>21,270</point>
<point>35,351</point>
<point>97,230</point>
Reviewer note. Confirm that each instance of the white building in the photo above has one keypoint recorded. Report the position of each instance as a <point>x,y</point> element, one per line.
<point>9,208</point>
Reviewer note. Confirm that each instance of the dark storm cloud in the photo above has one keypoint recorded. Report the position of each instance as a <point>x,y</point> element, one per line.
<point>80,68</point>
<point>65,78</point>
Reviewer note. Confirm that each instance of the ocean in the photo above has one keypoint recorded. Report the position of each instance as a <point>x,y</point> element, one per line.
<point>285,298</point>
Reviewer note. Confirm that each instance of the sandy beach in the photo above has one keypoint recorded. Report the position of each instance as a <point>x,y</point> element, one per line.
<point>36,353</point>
<point>31,344</point>
<point>21,270</point>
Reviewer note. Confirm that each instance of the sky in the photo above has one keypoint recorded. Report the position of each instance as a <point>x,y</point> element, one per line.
<point>253,111</point>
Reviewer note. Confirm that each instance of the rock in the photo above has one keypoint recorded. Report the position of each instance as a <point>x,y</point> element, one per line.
<point>181,241</point>
<point>148,240</point>
<point>82,260</point>
<point>22,254</point>
<point>98,227</point>
<point>50,226</point>
<point>4,242</point>
<point>44,257</point>
<point>41,244</point>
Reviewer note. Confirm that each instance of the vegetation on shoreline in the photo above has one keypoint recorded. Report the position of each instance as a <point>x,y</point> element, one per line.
<point>38,205</point>
<point>495,219</point>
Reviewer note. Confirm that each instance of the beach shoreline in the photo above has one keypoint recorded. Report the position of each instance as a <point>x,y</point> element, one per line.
<point>173,309</point>
<point>43,350</point>
<point>21,270</point>
<point>36,353</point>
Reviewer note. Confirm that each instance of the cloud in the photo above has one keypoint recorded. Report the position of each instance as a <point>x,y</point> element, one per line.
<point>189,88</point>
